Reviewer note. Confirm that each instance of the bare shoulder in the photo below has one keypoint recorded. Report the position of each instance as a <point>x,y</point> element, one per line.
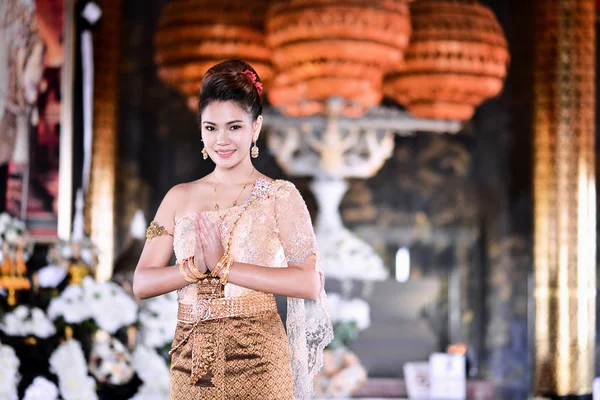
<point>198,186</point>
<point>185,189</point>
<point>176,193</point>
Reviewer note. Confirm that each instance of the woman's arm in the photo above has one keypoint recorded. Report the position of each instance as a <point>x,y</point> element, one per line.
<point>153,276</point>
<point>298,280</point>
<point>150,281</point>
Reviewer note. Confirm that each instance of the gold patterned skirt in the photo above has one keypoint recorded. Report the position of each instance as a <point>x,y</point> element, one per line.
<point>239,357</point>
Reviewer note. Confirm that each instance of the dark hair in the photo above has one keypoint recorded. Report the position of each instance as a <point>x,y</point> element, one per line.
<point>227,82</point>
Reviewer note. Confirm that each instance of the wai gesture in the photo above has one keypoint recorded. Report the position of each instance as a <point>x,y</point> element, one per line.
<point>208,241</point>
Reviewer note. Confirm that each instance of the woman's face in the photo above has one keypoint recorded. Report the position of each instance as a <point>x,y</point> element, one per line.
<point>228,132</point>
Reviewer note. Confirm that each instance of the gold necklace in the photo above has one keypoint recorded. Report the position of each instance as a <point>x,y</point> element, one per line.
<point>217,208</point>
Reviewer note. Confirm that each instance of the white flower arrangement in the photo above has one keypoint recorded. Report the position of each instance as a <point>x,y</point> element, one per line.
<point>51,276</point>
<point>349,317</point>
<point>353,310</point>
<point>71,305</point>
<point>24,321</point>
<point>77,256</point>
<point>158,319</point>
<point>153,371</point>
<point>9,373</point>
<point>66,253</point>
<point>111,306</point>
<point>110,361</point>
<point>68,363</point>
<point>342,373</point>
<point>41,389</point>
<point>14,236</point>
<point>147,392</point>
<point>107,303</point>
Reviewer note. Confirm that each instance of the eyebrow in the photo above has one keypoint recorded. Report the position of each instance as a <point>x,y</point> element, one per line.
<point>237,121</point>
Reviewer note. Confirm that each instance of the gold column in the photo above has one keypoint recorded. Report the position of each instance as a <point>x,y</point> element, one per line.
<point>102,183</point>
<point>565,197</point>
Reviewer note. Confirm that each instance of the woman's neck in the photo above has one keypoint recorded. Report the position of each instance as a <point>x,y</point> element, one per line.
<point>240,174</point>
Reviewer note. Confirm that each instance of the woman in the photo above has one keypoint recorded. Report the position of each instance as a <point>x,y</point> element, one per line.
<point>239,237</point>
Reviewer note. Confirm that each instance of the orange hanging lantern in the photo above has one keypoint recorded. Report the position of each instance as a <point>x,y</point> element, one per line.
<point>328,48</point>
<point>457,58</point>
<point>193,35</point>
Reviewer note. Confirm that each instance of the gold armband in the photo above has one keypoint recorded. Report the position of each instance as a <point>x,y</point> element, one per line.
<point>155,230</point>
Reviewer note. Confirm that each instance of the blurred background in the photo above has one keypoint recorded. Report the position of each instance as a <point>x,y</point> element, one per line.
<point>445,149</point>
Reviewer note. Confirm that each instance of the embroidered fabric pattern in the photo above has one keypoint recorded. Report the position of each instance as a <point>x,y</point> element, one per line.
<point>233,358</point>
<point>275,230</point>
<point>250,304</point>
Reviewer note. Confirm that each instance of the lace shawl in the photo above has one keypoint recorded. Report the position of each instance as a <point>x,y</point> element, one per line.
<point>309,326</point>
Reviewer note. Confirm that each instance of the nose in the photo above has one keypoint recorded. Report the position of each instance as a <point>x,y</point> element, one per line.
<point>222,137</point>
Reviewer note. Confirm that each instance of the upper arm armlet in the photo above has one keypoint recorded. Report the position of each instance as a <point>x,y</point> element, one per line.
<point>155,230</point>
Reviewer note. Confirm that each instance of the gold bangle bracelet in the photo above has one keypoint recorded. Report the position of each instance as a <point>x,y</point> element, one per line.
<point>225,275</point>
<point>184,274</point>
<point>222,262</point>
<point>216,269</point>
<point>193,269</point>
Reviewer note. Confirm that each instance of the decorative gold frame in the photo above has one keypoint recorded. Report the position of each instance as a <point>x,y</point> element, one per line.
<point>101,196</point>
<point>564,197</point>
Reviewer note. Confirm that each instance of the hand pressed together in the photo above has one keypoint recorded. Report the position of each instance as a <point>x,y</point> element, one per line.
<point>199,260</point>
<point>210,240</point>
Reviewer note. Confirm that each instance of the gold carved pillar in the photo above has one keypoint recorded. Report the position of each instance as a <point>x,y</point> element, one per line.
<point>565,197</point>
<point>102,183</point>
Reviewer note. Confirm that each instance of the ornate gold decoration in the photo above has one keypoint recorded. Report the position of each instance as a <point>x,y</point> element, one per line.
<point>194,270</point>
<point>185,275</point>
<point>205,353</point>
<point>224,262</point>
<point>565,200</point>
<point>226,307</point>
<point>226,271</point>
<point>16,247</point>
<point>77,272</point>
<point>194,35</point>
<point>210,288</point>
<point>13,276</point>
<point>102,187</point>
<point>457,57</point>
<point>255,152</point>
<point>326,48</point>
<point>30,340</point>
<point>79,257</point>
<point>155,230</point>
<point>131,337</point>
<point>68,332</point>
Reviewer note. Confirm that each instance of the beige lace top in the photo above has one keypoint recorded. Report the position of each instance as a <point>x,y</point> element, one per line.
<point>274,230</point>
